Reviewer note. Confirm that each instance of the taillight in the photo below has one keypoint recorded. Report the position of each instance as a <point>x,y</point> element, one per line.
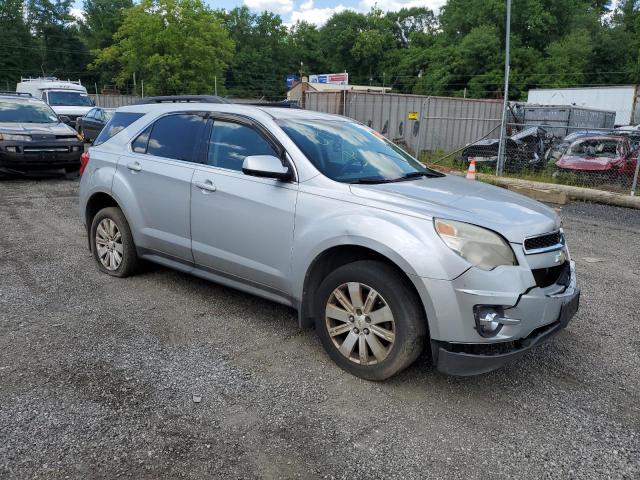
<point>84,161</point>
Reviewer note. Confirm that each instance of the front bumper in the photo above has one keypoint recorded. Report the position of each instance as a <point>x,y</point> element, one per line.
<point>475,359</point>
<point>534,293</point>
<point>40,155</point>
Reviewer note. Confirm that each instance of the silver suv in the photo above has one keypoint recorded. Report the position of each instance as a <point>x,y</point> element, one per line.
<point>323,214</point>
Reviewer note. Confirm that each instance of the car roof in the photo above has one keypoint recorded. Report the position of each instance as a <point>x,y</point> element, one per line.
<point>617,138</point>
<point>19,97</point>
<point>240,109</point>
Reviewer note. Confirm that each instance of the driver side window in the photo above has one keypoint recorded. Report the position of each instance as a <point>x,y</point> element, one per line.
<point>230,143</point>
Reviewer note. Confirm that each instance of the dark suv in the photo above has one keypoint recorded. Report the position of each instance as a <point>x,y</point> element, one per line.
<point>32,137</point>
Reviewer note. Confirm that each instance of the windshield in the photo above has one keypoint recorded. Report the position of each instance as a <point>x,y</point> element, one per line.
<point>351,153</point>
<point>26,112</point>
<point>595,148</point>
<point>69,99</point>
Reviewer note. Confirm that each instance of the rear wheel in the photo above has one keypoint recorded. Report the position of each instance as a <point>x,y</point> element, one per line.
<point>112,243</point>
<point>369,319</point>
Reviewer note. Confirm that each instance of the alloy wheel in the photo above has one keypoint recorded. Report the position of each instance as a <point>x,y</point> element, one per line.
<point>109,244</point>
<point>360,323</point>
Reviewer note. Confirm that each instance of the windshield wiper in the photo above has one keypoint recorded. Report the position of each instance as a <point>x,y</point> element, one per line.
<point>412,175</point>
<point>370,180</point>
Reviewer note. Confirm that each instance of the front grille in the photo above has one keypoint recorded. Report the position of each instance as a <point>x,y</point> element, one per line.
<point>46,149</point>
<point>560,274</point>
<point>543,242</point>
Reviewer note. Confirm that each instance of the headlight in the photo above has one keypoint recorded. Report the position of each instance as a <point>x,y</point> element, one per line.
<point>14,137</point>
<point>479,246</point>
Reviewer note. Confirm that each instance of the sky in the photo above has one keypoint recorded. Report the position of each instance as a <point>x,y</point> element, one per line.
<point>312,11</point>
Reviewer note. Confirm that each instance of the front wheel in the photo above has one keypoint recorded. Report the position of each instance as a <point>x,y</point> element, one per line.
<point>369,319</point>
<point>112,243</point>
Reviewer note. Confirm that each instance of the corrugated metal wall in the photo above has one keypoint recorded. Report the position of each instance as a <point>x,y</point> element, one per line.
<point>114,101</point>
<point>420,122</point>
<point>562,117</point>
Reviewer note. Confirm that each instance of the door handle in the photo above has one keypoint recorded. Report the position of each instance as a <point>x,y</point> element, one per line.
<point>206,186</point>
<point>134,166</point>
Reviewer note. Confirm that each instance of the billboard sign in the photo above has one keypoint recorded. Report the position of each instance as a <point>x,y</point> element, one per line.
<point>290,79</point>
<point>333,78</point>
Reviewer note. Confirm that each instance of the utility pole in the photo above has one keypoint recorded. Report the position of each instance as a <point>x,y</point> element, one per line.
<point>215,85</point>
<point>503,123</point>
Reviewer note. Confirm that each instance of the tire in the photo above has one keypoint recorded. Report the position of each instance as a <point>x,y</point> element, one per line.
<point>129,261</point>
<point>392,291</point>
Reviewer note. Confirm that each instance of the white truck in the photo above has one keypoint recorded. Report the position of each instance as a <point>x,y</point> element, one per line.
<point>623,99</point>
<point>66,98</point>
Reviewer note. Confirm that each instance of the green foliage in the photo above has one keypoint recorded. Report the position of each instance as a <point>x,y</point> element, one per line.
<point>15,44</point>
<point>176,46</point>
<point>183,46</point>
<point>261,60</point>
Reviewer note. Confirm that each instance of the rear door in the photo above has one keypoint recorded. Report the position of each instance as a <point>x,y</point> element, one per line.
<point>158,173</point>
<point>241,225</point>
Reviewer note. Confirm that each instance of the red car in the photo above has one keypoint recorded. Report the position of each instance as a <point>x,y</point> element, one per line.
<point>601,154</point>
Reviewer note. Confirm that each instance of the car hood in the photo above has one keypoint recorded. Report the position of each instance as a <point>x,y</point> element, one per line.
<point>71,110</point>
<point>35,129</point>
<point>573,162</point>
<point>510,214</point>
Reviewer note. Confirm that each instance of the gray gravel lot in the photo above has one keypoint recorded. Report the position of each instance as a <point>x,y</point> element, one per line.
<point>97,374</point>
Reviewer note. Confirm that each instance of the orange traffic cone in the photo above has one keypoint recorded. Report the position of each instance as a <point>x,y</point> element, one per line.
<point>471,174</point>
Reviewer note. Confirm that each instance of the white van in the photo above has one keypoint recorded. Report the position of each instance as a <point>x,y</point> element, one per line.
<point>65,97</point>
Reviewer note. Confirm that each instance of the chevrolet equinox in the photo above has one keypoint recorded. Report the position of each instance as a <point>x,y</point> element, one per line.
<point>318,212</point>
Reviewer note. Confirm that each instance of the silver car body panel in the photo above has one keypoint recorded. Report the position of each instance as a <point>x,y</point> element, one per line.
<point>262,235</point>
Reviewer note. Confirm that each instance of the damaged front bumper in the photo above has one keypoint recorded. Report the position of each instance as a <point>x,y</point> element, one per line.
<point>533,313</point>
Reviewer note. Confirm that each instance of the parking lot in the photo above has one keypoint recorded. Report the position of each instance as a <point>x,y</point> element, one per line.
<point>101,377</point>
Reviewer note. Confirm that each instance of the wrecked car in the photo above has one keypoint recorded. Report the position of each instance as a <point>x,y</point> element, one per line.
<point>604,155</point>
<point>560,146</point>
<point>524,149</point>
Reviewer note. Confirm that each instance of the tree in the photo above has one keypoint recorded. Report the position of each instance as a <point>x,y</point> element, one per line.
<point>304,42</point>
<point>16,44</point>
<point>58,49</point>
<point>262,58</point>
<point>102,19</point>
<point>174,46</point>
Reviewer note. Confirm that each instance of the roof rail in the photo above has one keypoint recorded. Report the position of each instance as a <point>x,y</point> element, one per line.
<point>282,104</point>
<point>48,79</point>
<point>15,94</point>
<point>182,99</point>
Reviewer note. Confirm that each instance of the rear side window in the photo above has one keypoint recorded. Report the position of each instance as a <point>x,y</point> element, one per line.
<point>139,145</point>
<point>118,122</point>
<point>231,142</point>
<point>175,136</point>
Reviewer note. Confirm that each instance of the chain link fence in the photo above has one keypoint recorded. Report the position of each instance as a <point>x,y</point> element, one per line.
<point>554,144</point>
<point>604,159</point>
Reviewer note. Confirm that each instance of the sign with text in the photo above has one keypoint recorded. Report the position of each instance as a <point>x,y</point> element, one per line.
<point>334,78</point>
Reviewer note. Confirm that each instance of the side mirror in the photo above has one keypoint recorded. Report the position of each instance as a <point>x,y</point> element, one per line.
<point>64,119</point>
<point>266,166</point>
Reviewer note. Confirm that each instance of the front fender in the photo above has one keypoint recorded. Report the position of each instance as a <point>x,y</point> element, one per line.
<point>410,243</point>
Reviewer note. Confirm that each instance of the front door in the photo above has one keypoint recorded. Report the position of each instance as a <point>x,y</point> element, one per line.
<point>242,226</point>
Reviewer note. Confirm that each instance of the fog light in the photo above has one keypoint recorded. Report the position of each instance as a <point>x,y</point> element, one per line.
<point>12,149</point>
<point>75,149</point>
<point>490,319</point>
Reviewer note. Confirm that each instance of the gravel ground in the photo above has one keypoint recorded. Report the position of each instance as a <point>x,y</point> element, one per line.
<point>98,375</point>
